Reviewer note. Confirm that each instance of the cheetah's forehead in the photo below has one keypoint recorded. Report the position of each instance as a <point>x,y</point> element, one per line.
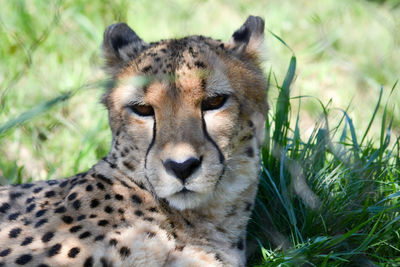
<point>169,56</point>
<point>190,67</point>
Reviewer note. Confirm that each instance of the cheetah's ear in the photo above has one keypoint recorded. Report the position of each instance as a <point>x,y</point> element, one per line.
<point>249,38</point>
<point>120,45</point>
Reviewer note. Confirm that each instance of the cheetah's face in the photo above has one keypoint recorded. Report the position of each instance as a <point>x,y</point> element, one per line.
<point>187,106</point>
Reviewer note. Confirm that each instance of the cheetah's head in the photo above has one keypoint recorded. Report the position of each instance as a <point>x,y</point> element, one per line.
<point>187,113</point>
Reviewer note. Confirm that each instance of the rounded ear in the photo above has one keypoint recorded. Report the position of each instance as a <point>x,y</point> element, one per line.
<point>120,45</point>
<point>249,38</point>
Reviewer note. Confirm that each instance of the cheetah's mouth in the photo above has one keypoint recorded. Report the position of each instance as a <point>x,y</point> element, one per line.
<point>185,191</point>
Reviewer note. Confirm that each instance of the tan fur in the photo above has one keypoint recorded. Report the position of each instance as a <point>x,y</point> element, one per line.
<point>131,208</point>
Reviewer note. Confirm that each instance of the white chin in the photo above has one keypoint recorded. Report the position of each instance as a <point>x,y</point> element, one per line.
<point>185,201</point>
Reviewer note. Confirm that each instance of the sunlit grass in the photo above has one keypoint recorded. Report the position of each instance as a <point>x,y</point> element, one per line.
<point>330,199</point>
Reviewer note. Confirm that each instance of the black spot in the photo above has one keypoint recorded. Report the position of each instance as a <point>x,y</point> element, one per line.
<point>104,178</point>
<point>119,197</point>
<point>4,207</point>
<point>81,217</point>
<point>50,194</point>
<point>37,189</point>
<point>99,238</point>
<point>76,204</point>
<point>124,252</point>
<point>139,213</point>
<point>26,221</point>
<point>61,209</point>
<point>27,186</point>
<point>40,213</point>
<point>128,165</point>
<point>44,204</point>
<point>40,223</point>
<point>248,207</point>
<point>105,263</point>
<point>55,249</point>
<point>147,69</point>
<point>63,184</point>
<point>14,233</point>
<point>113,242</point>
<point>153,209</point>
<point>92,216</point>
<point>30,207</point>
<point>23,259</point>
<point>126,185</point>
<point>107,196</point>
<point>102,223</point>
<point>13,216</point>
<point>121,211</point>
<point>136,199</point>
<point>75,228</point>
<point>203,84</point>
<point>94,203</point>
<point>179,248</point>
<point>43,265</point>
<point>150,234</point>
<point>174,235</point>
<point>27,241</point>
<point>82,181</point>
<point>15,195</point>
<point>72,196</point>
<point>73,252</point>
<point>188,223</point>
<point>67,219</point>
<point>5,252</point>
<point>108,209</point>
<point>52,182</point>
<point>89,188</point>
<point>149,219</point>
<point>84,235</point>
<point>29,200</point>
<point>250,152</point>
<point>246,138</point>
<point>240,244</point>
<point>200,64</point>
<point>47,237</point>
<point>88,262</point>
<point>220,229</point>
<point>100,186</point>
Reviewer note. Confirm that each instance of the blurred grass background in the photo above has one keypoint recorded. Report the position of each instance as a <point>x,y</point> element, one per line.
<point>346,52</point>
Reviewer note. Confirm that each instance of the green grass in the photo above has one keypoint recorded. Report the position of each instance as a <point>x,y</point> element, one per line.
<point>331,166</point>
<point>329,200</point>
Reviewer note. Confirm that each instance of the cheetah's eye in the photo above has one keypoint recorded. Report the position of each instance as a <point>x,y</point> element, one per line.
<point>142,110</point>
<point>214,102</point>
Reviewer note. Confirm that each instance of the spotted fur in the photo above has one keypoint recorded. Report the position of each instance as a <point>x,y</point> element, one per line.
<point>178,185</point>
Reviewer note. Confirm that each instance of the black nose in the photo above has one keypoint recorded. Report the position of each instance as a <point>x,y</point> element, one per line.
<point>182,170</point>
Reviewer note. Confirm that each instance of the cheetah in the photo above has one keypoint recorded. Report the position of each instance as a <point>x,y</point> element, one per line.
<point>178,185</point>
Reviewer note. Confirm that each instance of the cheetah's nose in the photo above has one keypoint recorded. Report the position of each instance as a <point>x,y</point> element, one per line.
<point>184,169</point>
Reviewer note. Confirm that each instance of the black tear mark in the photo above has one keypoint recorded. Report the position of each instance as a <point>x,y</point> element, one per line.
<point>152,142</point>
<point>208,137</point>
